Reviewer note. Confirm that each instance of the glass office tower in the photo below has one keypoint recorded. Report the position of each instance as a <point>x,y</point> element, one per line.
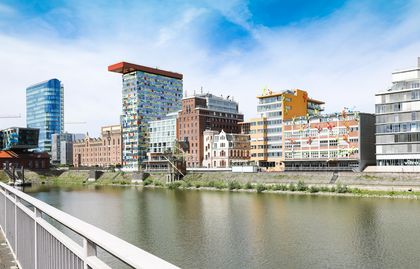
<point>45,110</point>
<point>148,94</point>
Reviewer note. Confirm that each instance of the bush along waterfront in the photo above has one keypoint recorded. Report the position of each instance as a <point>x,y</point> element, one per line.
<point>299,187</point>
<point>258,187</point>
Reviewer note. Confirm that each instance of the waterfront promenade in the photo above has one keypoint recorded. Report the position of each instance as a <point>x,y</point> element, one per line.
<point>6,256</point>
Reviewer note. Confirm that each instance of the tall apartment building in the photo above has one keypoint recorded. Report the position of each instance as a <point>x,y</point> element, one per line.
<point>148,94</point>
<point>202,112</point>
<point>340,141</point>
<point>104,151</point>
<point>45,110</point>
<point>163,133</point>
<point>266,131</point>
<point>398,120</point>
<point>222,150</point>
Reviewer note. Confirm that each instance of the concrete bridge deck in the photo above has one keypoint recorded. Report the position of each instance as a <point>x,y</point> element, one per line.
<point>7,261</point>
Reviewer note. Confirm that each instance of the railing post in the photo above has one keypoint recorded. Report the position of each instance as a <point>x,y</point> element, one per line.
<point>5,213</point>
<point>37,215</point>
<point>89,249</point>
<point>16,239</point>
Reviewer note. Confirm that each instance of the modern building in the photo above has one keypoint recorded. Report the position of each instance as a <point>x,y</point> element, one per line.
<point>334,142</point>
<point>266,131</point>
<point>163,133</point>
<point>62,147</point>
<point>105,151</point>
<point>45,110</point>
<point>16,138</point>
<point>202,112</point>
<point>398,120</point>
<point>222,150</point>
<point>15,149</point>
<point>148,94</point>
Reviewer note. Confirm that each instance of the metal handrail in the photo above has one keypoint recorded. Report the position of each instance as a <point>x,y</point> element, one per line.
<point>93,237</point>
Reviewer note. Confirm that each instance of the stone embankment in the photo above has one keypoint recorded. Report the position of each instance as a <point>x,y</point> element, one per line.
<point>365,181</point>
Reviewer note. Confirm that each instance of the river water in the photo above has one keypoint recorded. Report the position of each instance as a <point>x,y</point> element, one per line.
<point>211,229</point>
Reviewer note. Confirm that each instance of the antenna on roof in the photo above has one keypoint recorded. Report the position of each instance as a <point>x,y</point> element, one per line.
<point>201,89</point>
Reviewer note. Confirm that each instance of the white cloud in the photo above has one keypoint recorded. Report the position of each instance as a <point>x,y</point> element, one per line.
<point>343,59</point>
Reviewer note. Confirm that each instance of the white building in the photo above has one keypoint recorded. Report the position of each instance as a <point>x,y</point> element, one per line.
<point>163,134</point>
<point>222,150</point>
<point>398,120</point>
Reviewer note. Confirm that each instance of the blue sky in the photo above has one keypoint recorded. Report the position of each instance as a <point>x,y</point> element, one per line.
<point>340,51</point>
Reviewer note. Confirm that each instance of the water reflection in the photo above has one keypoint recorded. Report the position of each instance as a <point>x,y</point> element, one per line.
<point>199,229</point>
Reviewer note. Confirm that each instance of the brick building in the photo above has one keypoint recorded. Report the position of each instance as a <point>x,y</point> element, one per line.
<point>104,151</point>
<point>202,112</point>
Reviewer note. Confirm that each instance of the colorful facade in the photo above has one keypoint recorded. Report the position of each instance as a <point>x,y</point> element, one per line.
<point>45,110</point>
<point>148,94</point>
<point>335,142</point>
<point>398,120</point>
<point>222,150</point>
<point>266,132</point>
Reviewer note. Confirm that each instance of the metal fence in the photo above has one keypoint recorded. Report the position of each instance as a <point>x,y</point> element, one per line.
<point>37,244</point>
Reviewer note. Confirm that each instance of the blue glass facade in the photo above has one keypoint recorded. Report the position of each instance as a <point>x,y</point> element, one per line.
<point>45,110</point>
<point>146,97</point>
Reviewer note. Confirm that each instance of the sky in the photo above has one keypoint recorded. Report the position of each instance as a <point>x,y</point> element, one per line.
<point>340,51</point>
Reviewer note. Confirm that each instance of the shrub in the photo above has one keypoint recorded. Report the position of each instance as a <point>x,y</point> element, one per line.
<point>220,185</point>
<point>301,186</point>
<point>356,191</point>
<point>292,187</point>
<point>324,189</point>
<point>332,189</point>
<point>147,181</point>
<point>197,185</point>
<point>232,185</point>
<point>211,184</point>
<point>279,187</point>
<point>157,183</point>
<point>249,186</point>
<point>185,184</point>
<point>174,185</point>
<point>261,187</point>
<point>342,188</point>
<point>313,189</point>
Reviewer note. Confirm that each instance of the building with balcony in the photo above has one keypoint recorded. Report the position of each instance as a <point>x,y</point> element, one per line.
<point>398,120</point>
<point>222,150</point>
<point>266,131</point>
<point>105,151</point>
<point>202,112</point>
<point>148,94</point>
<point>334,142</point>
<point>45,110</point>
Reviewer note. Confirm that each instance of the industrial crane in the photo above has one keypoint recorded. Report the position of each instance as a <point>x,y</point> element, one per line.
<point>10,116</point>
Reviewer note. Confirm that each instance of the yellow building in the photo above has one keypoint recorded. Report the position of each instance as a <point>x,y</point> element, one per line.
<point>266,131</point>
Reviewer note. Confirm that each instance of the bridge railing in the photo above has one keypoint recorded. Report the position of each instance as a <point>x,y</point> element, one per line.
<point>37,244</point>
